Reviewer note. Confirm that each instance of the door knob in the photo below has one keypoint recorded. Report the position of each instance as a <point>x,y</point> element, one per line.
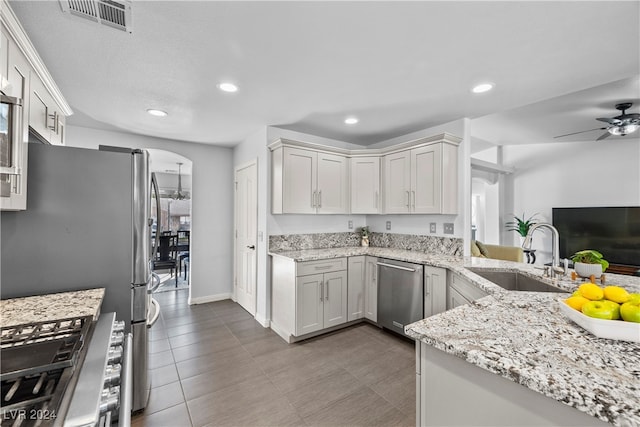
<point>251,247</point>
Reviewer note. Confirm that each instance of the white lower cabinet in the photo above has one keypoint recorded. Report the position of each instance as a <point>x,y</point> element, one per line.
<point>435,290</point>
<point>356,282</point>
<point>460,291</point>
<point>321,301</point>
<point>371,289</point>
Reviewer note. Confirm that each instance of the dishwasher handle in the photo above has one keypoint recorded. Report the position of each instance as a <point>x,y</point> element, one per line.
<point>399,267</point>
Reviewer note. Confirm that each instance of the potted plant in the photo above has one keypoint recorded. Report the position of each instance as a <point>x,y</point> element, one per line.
<point>364,235</point>
<point>522,225</point>
<point>589,263</point>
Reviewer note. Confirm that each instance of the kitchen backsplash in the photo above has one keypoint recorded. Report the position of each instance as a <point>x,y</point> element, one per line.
<point>411,242</point>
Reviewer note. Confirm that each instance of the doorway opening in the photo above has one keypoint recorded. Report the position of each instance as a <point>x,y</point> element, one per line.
<point>171,214</point>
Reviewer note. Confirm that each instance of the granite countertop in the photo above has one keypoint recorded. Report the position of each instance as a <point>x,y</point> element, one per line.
<point>523,336</point>
<point>50,307</point>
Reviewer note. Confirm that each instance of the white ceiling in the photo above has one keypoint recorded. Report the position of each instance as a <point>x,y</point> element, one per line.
<point>305,66</point>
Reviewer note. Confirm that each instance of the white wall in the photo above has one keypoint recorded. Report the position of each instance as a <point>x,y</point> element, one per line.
<point>569,174</point>
<point>212,204</point>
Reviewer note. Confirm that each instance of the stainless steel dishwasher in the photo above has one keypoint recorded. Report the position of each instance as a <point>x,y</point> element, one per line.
<point>400,294</point>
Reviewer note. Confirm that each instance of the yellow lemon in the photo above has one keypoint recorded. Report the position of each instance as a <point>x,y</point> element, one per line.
<point>576,293</point>
<point>591,291</point>
<point>616,294</point>
<point>576,302</point>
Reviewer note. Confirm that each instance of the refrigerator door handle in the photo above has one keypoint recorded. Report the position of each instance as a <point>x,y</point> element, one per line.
<point>156,278</point>
<point>155,308</point>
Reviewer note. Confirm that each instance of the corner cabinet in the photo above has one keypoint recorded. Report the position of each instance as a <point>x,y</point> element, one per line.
<point>309,182</point>
<point>365,185</point>
<point>460,291</point>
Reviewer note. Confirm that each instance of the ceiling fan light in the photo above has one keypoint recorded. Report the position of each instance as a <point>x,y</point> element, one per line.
<point>623,130</point>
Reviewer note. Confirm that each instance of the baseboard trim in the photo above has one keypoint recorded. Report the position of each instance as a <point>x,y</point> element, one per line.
<point>262,320</point>
<point>209,298</point>
<point>284,335</point>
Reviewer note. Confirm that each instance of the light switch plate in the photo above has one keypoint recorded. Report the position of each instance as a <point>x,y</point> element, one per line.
<point>432,227</point>
<point>388,225</point>
<point>350,225</point>
<point>448,228</point>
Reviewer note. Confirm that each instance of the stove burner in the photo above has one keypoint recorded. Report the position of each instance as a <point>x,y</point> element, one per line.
<point>38,362</point>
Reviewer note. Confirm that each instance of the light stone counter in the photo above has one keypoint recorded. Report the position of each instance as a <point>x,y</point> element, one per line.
<point>50,307</point>
<point>522,336</point>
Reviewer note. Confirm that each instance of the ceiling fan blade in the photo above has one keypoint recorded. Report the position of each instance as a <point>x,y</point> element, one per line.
<point>603,136</point>
<point>610,121</point>
<point>575,133</point>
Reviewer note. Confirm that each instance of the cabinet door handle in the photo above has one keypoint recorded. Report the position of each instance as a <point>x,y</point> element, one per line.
<point>321,291</point>
<point>408,198</point>
<point>313,199</point>
<point>320,198</point>
<point>427,286</point>
<point>327,298</point>
<point>413,193</point>
<point>322,267</point>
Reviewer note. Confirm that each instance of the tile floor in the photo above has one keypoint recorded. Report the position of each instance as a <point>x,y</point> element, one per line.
<point>213,364</point>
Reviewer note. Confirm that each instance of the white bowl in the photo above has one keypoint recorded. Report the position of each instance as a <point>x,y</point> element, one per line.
<point>612,329</point>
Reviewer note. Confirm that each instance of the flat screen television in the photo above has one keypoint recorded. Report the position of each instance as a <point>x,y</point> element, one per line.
<point>613,231</point>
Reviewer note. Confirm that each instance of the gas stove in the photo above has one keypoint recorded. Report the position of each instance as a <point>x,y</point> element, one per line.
<point>52,372</point>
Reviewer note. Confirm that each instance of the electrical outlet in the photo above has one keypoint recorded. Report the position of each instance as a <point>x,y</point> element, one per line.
<point>350,225</point>
<point>432,227</point>
<point>448,228</point>
<point>388,225</point>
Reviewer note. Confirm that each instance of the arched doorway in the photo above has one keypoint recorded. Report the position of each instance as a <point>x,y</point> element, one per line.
<point>171,231</point>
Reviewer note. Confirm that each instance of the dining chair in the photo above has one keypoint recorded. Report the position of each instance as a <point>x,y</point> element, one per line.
<point>166,258</point>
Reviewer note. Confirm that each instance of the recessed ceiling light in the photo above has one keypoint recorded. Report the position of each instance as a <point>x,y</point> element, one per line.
<point>228,87</point>
<point>158,113</point>
<point>483,87</point>
<point>351,120</point>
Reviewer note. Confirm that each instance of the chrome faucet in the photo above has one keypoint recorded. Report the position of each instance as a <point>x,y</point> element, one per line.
<point>555,244</point>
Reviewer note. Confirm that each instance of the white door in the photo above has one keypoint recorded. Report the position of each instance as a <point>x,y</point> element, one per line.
<point>246,218</point>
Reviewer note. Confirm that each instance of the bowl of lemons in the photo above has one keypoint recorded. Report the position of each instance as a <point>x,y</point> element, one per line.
<point>607,312</point>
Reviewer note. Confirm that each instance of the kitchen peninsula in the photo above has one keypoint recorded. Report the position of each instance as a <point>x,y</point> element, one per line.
<point>511,357</point>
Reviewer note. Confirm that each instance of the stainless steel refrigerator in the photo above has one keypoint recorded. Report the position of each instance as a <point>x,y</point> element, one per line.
<point>87,225</point>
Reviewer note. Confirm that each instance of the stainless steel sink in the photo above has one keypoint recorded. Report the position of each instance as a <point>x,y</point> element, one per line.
<point>514,281</point>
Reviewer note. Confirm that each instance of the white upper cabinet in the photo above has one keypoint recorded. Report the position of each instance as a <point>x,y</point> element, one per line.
<point>300,180</point>
<point>333,184</point>
<point>309,182</point>
<point>41,107</point>
<point>422,180</point>
<point>45,118</point>
<point>365,185</point>
<point>415,177</point>
<point>397,183</point>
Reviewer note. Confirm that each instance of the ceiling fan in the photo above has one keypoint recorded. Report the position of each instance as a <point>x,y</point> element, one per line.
<point>621,125</point>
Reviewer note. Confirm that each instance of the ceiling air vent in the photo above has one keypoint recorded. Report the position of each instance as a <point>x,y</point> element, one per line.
<point>116,14</point>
